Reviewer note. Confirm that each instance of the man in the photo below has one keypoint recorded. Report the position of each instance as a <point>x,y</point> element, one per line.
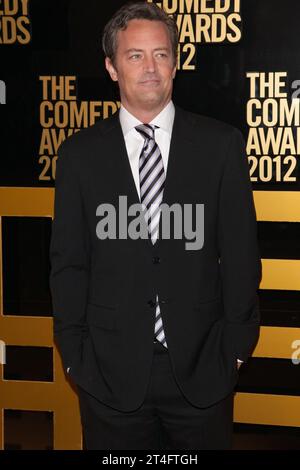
<point>150,331</point>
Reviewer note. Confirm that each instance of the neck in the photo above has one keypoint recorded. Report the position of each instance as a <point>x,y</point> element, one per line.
<point>144,115</point>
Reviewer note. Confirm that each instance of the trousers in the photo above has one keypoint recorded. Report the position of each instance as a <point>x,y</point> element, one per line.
<point>164,421</point>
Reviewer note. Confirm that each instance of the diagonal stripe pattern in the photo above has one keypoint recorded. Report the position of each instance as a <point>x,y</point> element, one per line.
<point>152,181</point>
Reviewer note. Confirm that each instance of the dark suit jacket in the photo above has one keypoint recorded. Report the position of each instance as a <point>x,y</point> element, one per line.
<point>104,290</point>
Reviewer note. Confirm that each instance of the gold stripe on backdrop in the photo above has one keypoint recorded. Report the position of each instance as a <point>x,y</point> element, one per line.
<point>276,410</point>
<point>277,206</point>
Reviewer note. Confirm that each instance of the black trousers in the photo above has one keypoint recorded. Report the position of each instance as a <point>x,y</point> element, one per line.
<point>165,420</point>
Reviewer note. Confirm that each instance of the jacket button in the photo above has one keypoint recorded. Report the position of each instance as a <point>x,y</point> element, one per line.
<point>151,303</point>
<point>156,259</point>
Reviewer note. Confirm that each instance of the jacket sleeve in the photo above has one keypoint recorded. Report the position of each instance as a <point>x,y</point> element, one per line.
<point>69,260</point>
<point>240,262</point>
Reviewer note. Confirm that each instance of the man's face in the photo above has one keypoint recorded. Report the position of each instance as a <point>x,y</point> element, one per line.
<point>144,65</point>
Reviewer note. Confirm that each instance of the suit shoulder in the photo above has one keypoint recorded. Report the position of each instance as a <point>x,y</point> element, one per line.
<point>210,126</point>
<point>86,138</point>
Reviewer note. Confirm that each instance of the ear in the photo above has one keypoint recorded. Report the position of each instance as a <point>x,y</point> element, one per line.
<point>174,71</point>
<point>111,69</point>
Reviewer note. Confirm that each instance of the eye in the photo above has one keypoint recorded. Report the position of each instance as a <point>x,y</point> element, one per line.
<point>134,56</point>
<point>161,54</point>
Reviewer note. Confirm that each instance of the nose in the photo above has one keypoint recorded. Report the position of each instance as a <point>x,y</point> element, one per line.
<point>149,63</point>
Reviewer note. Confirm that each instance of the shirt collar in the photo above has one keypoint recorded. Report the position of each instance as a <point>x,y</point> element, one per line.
<point>164,119</point>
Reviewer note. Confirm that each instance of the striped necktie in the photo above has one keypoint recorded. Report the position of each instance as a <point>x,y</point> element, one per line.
<point>152,181</point>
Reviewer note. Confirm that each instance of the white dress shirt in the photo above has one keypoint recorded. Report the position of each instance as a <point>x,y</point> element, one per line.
<point>134,140</point>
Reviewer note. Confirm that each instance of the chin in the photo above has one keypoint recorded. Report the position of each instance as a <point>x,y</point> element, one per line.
<point>151,100</point>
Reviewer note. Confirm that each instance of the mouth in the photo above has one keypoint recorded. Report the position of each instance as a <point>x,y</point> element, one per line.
<point>150,82</point>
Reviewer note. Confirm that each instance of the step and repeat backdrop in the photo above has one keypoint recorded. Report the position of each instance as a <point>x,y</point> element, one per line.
<point>238,62</point>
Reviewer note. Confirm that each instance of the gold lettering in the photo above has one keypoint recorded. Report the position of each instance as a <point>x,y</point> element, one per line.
<point>232,20</point>
<point>9,7</point>
<point>21,22</point>
<point>203,23</point>
<point>24,7</point>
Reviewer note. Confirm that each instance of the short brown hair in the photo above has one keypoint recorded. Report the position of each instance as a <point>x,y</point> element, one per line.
<point>136,10</point>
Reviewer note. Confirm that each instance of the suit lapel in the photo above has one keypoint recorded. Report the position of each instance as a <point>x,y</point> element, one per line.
<point>123,177</point>
<point>178,159</point>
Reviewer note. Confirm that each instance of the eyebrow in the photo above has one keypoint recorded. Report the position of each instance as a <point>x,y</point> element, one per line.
<point>134,49</point>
